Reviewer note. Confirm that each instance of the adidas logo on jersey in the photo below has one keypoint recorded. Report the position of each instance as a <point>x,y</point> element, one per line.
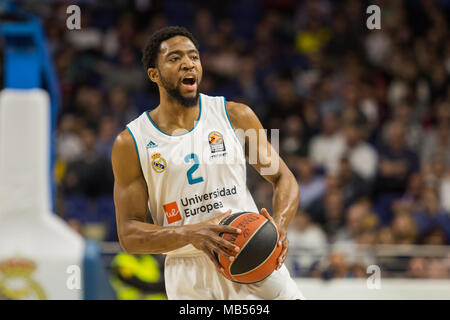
<point>151,144</point>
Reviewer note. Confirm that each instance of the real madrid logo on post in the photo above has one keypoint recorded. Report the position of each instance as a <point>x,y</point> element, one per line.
<point>159,164</point>
<point>16,280</point>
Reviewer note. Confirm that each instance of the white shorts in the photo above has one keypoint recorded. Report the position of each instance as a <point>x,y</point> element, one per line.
<point>196,278</point>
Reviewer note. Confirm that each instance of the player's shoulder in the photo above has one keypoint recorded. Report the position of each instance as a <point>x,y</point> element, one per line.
<point>125,159</point>
<point>125,139</point>
<point>241,115</point>
<point>123,142</point>
<point>239,111</point>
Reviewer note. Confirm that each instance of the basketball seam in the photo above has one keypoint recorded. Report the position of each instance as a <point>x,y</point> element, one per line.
<point>242,249</point>
<point>268,256</point>
<point>234,218</point>
<point>228,223</point>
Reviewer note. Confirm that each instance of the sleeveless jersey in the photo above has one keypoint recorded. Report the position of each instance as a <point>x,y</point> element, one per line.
<point>196,175</point>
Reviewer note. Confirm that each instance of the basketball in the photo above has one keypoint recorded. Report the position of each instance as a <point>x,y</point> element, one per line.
<point>259,252</point>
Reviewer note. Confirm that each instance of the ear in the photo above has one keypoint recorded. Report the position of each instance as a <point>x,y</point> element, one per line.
<point>153,74</point>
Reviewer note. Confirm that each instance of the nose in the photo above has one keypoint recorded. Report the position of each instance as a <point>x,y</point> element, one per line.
<point>188,64</point>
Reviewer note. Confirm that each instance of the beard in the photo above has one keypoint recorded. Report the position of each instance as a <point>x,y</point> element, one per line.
<point>175,93</point>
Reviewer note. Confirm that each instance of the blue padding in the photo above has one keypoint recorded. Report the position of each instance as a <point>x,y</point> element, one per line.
<point>28,64</point>
<point>22,69</point>
<point>92,271</point>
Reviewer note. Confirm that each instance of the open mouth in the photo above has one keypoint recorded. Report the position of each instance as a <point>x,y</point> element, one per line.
<point>189,82</point>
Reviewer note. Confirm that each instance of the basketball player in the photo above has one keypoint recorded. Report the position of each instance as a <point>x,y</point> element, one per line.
<point>184,161</point>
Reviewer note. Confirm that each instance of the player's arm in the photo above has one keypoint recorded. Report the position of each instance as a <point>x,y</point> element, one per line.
<point>130,198</point>
<point>269,164</point>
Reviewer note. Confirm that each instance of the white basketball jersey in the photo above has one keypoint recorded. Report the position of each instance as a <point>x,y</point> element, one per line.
<point>196,175</point>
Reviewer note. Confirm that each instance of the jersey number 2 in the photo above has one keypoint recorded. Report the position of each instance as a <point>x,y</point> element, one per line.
<point>187,159</point>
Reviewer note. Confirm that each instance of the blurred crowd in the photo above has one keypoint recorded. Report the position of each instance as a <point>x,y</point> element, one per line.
<point>364,114</point>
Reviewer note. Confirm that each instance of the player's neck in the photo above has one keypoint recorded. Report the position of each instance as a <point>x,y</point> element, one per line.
<point>170,115</point>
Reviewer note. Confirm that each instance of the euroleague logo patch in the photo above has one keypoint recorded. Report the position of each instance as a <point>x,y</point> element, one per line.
<point>172,212</point>
<point>216,142</point>
<point>159,164</point>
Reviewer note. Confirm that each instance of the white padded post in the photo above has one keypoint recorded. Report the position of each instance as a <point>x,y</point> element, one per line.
<point>24,152</point>
<point>28,229</point>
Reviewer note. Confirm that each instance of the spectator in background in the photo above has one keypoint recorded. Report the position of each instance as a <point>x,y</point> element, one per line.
<point>396,162</point>
<point>358,220</point>
<point>121,107</point>
<point>69,145</point>
<point>292,138</point>
<point>114,74</point>
<point>335,267</point>
<point>403,113</point>
<point>369,107</point>
<point>417,268</point>
<point>312,185</point>
<point>108,130</point>
<point>250,91</point>
<point>329,211</point>
<point>429,215</point>
<point>120,35</point>
<point>385,236</point>
<point>285,101</point>
<point>311,122</point>
<point>90,174</point>
<point>362,156</point>
<point>404,229</point>
<point>357,234</point>
<point>434,237</point>
<point>326,147</point>
<point>313,37</point>
<point>308,240</point>
<point>435,173</point>
<point>338,45</point>
<point>377,46</point>
<point>414,189</point>
<point>203,25</point>
<point>89,105</point>
<point>437,269</point>
<point>437,144</point>
<point>352,185</point>
<point>331,101</point>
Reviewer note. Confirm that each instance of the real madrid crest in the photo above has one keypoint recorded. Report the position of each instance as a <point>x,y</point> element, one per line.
<point>159,164</point>
<point>16,281</point>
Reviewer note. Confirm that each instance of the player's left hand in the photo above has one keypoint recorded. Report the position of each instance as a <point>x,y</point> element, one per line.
<point>283,241</point>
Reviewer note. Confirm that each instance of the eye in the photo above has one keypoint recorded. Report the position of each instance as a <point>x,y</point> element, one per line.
<point>173,59</point>
<point>194,57</point>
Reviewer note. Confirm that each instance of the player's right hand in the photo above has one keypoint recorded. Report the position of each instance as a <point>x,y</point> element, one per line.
<point>205,236</point>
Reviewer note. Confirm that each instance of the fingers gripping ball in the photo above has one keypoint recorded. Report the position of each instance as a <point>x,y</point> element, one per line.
<point>259,252</point>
